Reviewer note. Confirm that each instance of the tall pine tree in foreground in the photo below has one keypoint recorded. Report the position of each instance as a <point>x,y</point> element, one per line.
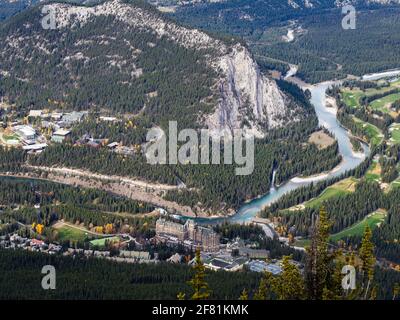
<point>368,261</point>
<point>200,287</point>
<point>290,285</point>
<point>319,265</point>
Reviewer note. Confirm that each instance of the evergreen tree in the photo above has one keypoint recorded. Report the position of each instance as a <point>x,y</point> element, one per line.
<point>319,259</point>
<point>198,283</point>
<point>367,260</point>
<point>290,285</point>
<point>180,296</point>
<point>396,290</point>
<point>244,295</point>
<point>262,291</point>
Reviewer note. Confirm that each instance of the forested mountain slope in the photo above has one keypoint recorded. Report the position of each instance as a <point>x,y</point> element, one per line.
<point>310,36</point>
<point>127,57</point>
<point>244,16</point>
<point>9,7</point>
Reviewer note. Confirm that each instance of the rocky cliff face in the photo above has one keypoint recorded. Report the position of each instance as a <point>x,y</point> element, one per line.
<point>247,98</point>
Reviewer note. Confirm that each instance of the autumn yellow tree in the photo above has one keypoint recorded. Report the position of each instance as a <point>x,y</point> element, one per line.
<point>396,291</point>
<point>39,228</point>
<point>109,228</point>
<point>180,296</point>
<point>98,229</point>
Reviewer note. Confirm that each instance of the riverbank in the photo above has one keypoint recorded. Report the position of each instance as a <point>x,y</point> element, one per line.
<point>332,107</point>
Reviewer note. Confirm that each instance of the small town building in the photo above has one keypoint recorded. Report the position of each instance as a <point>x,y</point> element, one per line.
<point>109,119</point>
<point>176,258</point>
<point>56,116</point>
<point>37,243</point>
<point>113,145</point>
<point>37,147</point>
<point>26,133</point>
<point>200,237</point>
<point>137,255</point>
<point>261,266</point>
<point>254,253</point>
<point>93,144</point>
<point>73,117</point>
<point>35,113</point>
<point>60,135</point>
<point>221,262</point>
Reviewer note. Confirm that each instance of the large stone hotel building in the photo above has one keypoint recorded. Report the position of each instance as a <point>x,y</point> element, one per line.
<point>189,234</point>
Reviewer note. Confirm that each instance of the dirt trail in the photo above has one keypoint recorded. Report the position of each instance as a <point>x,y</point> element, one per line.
<point>89,174</point>
<point>136,190</point>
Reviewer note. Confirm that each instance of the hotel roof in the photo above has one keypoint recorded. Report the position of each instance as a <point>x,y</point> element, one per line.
<point>25,130</point>
<point>61,132</point>
<point>37,146</point>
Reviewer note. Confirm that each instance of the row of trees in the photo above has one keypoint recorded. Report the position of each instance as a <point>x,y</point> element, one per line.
<point>82,278</point>
<point>16,191</point>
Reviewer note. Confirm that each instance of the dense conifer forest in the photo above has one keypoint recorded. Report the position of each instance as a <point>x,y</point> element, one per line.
<point>322,50</point>
<point>82,278</point>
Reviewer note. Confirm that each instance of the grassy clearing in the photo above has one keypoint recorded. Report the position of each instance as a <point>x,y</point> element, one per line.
<point>340,188</point>
<point>373,133</point>
<point>383,104</point>
<point>395,133</point>
<point>325,195</point>
<point>302,243</point>
<point>395,183</point>
<point>9,138</point>
<point>373,220</point>
<point>101,243</point>
<point>374,172</point>
<point>68,233</point>
<point>352,97</point>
